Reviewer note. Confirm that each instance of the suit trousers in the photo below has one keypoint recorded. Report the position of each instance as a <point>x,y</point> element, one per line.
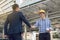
<point>16,36</point>
<point>44,36</point>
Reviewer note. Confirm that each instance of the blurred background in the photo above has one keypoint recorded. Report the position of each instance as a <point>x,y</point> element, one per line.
<point>29,9</point>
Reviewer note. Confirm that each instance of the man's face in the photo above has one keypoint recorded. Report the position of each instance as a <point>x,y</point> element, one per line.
<point>42,14</point>
<point>17,8</point>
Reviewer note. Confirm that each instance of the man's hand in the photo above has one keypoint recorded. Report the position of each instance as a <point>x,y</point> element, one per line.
<point>5,36</point>
<point>48,29</point>
<point>32,26</point>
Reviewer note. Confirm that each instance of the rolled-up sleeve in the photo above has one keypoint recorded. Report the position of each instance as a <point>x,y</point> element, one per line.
<point>50,25</point>
<point>36,24</point>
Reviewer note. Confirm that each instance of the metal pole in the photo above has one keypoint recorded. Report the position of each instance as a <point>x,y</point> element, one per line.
<point>25,32</point>
<point>3,34</point>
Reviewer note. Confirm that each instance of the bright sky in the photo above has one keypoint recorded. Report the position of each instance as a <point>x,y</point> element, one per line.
<point>21,3</point>
<point>25,2</point>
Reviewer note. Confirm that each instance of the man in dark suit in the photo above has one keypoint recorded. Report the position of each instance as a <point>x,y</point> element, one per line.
<point>15,20</point>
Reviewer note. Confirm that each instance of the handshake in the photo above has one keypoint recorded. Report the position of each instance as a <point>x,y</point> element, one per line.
<point>32,26</point>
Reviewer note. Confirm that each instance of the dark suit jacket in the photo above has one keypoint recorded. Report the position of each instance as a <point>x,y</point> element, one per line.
<point>15,20</point>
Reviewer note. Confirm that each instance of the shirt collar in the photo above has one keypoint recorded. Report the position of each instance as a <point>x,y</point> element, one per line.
<point>43,19</point>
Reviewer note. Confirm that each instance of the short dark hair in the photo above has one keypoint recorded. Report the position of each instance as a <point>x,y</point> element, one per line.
<point>14,6</point>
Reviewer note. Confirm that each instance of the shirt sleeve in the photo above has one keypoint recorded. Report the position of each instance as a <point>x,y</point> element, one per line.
<point>36,24</point>
<point>24,19</point>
